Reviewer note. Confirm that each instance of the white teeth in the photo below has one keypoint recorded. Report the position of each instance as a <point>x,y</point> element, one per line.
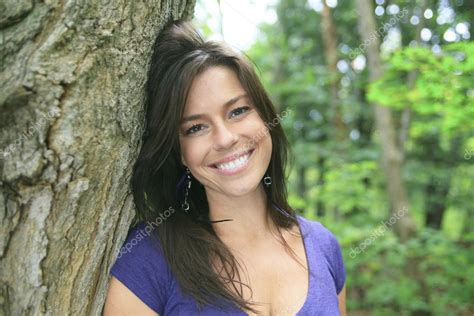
<point>234,163</point>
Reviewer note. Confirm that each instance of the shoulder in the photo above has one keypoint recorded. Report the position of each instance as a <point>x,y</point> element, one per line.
<point>142,268</point>
<point>142,243</point>
<point>319,233</point>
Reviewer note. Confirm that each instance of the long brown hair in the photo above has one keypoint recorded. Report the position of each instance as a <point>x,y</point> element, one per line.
<point>188,241</point>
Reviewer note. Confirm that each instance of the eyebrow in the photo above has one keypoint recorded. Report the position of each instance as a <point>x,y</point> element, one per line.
<point>225,105</point>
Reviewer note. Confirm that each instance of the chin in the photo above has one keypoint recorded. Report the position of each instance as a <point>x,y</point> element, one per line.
<point>242,187</point>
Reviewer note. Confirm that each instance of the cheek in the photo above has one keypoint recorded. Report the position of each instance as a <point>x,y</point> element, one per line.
<point>256,133</point>
<point>267,143</point>
<point>255,125</point>
<point>193,152</point>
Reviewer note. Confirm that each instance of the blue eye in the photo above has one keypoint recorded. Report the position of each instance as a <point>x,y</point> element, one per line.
<point>239,111</point>
<point>234,113</point>
<point>193,129</point>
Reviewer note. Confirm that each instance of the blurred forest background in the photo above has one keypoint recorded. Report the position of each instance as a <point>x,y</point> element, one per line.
<point>381,126</point>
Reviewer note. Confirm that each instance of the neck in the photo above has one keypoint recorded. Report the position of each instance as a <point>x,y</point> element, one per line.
<point>249,214</point>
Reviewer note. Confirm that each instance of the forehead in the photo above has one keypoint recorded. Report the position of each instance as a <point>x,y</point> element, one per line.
<point>215,85</point>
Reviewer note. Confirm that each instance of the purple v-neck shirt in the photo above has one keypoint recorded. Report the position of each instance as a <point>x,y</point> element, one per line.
<point>143,269</point>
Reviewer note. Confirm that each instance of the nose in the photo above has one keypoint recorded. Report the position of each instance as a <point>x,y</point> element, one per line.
<point>224,138</point>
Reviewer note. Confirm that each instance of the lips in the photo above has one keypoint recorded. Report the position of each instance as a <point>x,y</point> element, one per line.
<point>231,158</point>
<point>236,166</point>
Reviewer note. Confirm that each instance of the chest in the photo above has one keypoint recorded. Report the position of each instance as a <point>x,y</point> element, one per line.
<point>277,282</point>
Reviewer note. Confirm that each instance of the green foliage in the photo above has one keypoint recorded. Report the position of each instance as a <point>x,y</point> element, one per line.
<point>441,282</point>
<point>348,186</point>
<point>442,97</point>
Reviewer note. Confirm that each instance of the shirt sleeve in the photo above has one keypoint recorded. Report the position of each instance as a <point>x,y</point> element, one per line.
<point>141,267</point>
<point>332,252</point>
<point>337,263</point>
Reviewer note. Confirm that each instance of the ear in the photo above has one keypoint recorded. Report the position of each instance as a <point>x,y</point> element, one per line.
<point>182,160</point>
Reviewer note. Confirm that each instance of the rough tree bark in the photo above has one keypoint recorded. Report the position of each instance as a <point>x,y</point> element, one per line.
<point>71,119</point>
<point>391,154</point>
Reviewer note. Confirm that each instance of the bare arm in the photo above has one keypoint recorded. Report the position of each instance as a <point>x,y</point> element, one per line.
<point>342,301</point>
<point>121,301</point>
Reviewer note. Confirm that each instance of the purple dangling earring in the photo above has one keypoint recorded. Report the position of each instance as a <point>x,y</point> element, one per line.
<point>185,205</point>
<point>185,178</point>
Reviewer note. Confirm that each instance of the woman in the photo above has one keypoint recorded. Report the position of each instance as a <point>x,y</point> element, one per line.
<point>209,186</point>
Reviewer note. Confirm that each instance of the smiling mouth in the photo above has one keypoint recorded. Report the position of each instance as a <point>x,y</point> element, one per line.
<point>234,164</point>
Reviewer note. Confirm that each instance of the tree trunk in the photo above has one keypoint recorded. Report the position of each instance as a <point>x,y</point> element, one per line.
<point>436,195</point>
<point>302,181</point>
<point>330,53</point>
<point>320,207</point>
<point>412,76</point>
<point>391,155</point>
<point>71,101</point>
<point>301,170</point>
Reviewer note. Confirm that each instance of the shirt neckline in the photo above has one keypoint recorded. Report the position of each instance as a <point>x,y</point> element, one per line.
<point>308,247</point>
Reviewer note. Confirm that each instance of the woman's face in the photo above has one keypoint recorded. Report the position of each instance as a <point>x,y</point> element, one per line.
<point>220,123</point>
